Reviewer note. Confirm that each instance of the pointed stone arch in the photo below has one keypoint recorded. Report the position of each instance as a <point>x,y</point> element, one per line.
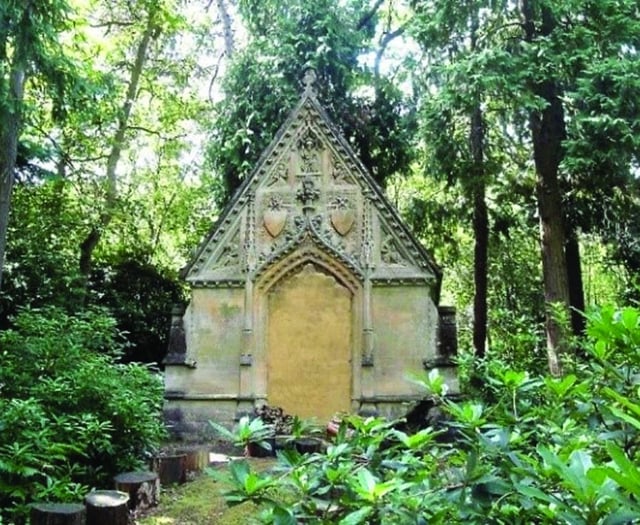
<point>308,333</point>
<point>309,251</point>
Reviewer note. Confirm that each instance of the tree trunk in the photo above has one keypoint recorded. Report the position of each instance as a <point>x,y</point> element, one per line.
<point>481,234</point>
<point>171,468</point>
<point>480,218</point>
<point>196,460</point>
<point>143,488</point>
<point>548,132</point>
<point>57,514</point>
<point>576,289</point>
<point>10,123</point>
<point>89,244</point>
<point>107,507</point>
<point>227,28</point>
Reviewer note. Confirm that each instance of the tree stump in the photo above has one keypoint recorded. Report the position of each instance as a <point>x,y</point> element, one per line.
<point>57,514</point>
<point>308,445</point>
<point>196,459</point>
<point>171,468</point>
<point>143,488</point>
<point>107,507</point>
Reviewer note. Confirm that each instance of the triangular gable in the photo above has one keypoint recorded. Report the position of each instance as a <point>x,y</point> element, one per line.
<point>310,183</point>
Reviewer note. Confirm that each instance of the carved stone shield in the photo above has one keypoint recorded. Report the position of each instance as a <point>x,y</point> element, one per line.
<point>342,220</point>
<point>274,221</point>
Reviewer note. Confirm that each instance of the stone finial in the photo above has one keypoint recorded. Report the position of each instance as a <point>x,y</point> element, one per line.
<point>309,81</point>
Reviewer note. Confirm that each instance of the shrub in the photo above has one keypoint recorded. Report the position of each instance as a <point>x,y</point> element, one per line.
<point>70,415</point>
<point>535,449</point>
<point>140,297</point>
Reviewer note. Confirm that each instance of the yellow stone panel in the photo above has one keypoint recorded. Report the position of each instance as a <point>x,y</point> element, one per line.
<point>309,345</point>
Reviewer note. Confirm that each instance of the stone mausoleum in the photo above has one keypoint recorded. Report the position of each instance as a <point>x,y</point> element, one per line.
<point>309,293</point>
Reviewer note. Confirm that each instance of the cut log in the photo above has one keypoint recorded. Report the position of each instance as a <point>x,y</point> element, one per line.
<point>308,445</point>
<point>171,468</point>
<point>58,514</point>
<point>196,459</point>
<point>107,507</point>
<point>143,488</point>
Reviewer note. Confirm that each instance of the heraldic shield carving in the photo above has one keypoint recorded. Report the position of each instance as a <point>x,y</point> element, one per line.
<point>275,217</point>
<point>342,216</point>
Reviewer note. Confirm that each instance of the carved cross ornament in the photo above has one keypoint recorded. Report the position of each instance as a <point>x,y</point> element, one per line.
<point>307,194</point>
<point>309,81</point>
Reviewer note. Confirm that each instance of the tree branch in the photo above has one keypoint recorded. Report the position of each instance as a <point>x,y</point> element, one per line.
<point>89,244</point>
<point>156,133</point>
<point>229,43</point>
<point>215,76</point>
<point>386,39</point>
<point>366,18</point>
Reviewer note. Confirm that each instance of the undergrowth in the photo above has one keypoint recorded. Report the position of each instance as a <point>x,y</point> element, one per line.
<point>526,448</point>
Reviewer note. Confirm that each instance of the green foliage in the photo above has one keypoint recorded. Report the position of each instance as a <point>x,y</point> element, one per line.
<point>247,430</point>
<point>40,264</point>
<point>531,449</point>
<point>265,80</point>
<point>70,417</point>
<point>140,297</point>
<point>589,55</point>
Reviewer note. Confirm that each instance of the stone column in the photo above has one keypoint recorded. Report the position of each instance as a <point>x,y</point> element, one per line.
<point>367,365</point>
<point>246,373</point>
<point>246,383</point>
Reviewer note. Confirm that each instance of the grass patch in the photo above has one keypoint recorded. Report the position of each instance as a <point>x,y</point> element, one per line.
<point>201,502</point>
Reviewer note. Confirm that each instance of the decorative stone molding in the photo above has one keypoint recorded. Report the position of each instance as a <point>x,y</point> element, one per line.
<point>330,183</point>
<point>291,261</point>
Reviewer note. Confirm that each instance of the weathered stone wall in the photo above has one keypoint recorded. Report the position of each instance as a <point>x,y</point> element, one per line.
<point>213,331</point>
<point>310,365</point>
<point>405,323</point>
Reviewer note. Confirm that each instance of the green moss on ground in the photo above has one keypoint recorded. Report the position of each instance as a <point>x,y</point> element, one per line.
<point>201,502</point>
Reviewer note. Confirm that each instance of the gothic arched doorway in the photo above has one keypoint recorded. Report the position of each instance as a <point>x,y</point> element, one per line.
<point>309,344</point>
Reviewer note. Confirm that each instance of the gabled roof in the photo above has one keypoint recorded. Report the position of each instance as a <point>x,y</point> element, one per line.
<point>229,224</point>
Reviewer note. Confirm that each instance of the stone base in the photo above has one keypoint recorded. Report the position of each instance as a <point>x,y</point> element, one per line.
<point>188,419</point>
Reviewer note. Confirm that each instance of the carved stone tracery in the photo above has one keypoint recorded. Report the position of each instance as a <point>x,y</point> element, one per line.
<point>309,151</point>
<point>280,175</point>
<point>339,172</point>
<point>311,186</point>
<point>389,251</point>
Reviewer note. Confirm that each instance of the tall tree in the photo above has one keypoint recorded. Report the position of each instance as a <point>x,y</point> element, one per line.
<point>581,69</point>
<point>480,218</point>
<point>450,38</point>
<point>264,81</point>
<point>136,166</point>
<point>602,104</point>
<point>150,29</point>
<point>28,46</point>
<point>548,133</point>
<point>537,59</point>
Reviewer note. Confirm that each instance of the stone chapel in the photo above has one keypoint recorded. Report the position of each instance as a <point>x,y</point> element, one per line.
<point>309,293</point>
